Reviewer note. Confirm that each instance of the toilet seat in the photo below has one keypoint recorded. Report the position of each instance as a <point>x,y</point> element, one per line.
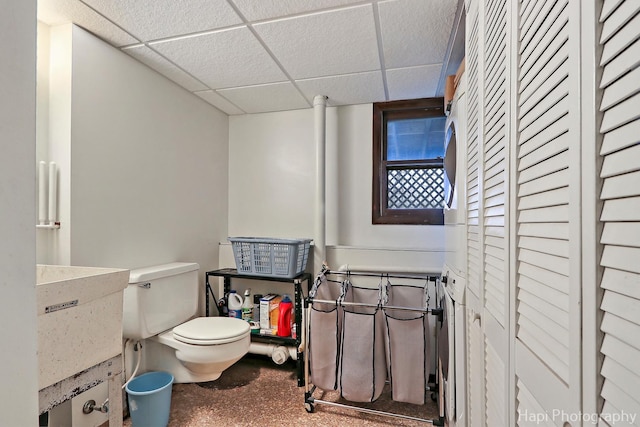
<point>211,330</point>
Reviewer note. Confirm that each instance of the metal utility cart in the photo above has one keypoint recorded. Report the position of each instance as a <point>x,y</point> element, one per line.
<point>336,309</point>
<point>230,273</point>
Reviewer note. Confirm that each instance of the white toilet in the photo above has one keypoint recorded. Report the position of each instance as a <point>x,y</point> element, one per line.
<point>160,304</point>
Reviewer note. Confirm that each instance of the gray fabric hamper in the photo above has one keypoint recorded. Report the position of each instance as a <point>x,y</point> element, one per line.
<point>363,369</point>
<point>325,325</point>
<point>407,344</point>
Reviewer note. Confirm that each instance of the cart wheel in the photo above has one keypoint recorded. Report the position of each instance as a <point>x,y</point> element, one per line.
<point>434,397</point>
<point>310,407</point>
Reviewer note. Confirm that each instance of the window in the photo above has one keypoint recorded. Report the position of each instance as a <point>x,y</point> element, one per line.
<point>408,170</point>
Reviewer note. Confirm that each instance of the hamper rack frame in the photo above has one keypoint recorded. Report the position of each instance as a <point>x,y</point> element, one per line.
<point>310,401</point>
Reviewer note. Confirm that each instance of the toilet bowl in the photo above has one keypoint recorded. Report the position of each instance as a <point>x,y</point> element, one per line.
<point>160,307</point>
<point>200,349</point>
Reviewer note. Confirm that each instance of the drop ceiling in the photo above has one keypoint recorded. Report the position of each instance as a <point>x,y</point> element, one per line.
<point>254,56</point>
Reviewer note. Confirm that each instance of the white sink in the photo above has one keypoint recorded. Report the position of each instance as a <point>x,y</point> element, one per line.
<point>79,318</point>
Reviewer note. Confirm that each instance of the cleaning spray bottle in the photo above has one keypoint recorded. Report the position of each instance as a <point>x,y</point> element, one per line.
<point>247,306</point>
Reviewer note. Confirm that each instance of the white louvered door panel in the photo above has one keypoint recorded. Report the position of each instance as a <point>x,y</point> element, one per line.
<point>475,338</point>
<point>495,247</point>
<point>474,80</point>
<point>530,411</point>
<point>476,396</point>
<point>621,212</point>
<point>548,313</point>
<point>496,128</point>
<point>496,386</point>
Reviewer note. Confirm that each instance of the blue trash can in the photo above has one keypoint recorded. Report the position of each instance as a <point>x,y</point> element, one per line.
<point>150,399</point>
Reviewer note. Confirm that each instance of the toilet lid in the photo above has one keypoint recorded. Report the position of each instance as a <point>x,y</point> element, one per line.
<point>211,330</point>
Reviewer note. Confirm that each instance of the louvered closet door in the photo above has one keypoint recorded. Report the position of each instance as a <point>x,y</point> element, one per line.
<point>621,212</point>
<point>548,314</point>
<point>475,339</point>
<point>488,259</point>
<point>495,239</point>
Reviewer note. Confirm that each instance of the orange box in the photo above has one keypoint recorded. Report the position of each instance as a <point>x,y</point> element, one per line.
<point>269,310</point>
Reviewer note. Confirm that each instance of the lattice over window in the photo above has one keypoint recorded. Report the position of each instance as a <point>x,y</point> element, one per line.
<point>415,188</point>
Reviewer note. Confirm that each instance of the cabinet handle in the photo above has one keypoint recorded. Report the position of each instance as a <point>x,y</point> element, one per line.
<point>477,317</point>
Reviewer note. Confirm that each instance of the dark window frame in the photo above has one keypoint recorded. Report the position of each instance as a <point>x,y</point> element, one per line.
<point>382,112</point>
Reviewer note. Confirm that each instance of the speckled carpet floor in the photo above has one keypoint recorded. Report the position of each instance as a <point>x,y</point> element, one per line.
<point>256,392</point>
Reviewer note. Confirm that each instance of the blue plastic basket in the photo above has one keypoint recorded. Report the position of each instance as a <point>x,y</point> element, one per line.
<point>270,257</point>
<point>150,399</point>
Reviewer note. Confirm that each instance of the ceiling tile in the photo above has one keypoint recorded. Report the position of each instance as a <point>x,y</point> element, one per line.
<point>415,32</point>
<point>413,82</point>
<point>348,89</point>
<point>155,19</point>
<point>163,66</point>
<point>58,12</point>
<point>248,53</point>
<point>264,9</point>
<point>223,59</point>
<point>323,44</point>
<point>219,102</point>
<point>264,98</point>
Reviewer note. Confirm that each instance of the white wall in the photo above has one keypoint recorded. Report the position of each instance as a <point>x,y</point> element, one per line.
<point>143,165</point>
<point>272,184</point>
<point>18,362</point>
<point>271,170</point>
<point>45,238</point>
<point>143,162</point>
<point>55,112</point>
<point>349,136</point>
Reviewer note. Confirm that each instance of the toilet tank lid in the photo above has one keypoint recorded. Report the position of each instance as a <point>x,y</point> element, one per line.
<point>146,274</point>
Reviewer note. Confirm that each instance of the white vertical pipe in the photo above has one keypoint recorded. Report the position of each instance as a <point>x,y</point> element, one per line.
<point>42,193</point>
<point>53,192</point>
<point>320,107</point>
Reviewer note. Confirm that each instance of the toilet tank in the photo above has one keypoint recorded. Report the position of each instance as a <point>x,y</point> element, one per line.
<point>158,298</point>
